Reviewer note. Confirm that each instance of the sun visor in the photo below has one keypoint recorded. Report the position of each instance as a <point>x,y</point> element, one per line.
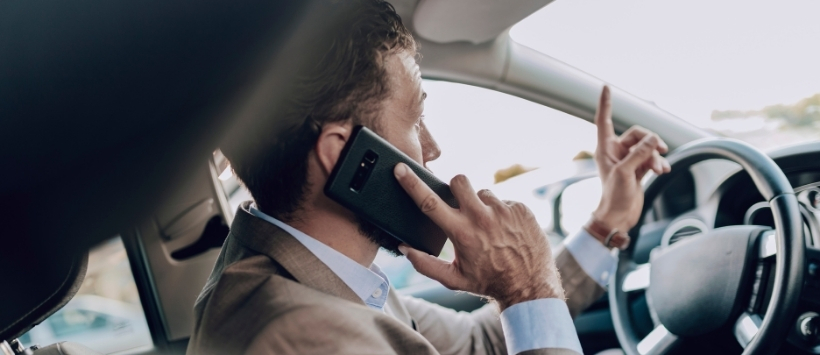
<point>470,20</point>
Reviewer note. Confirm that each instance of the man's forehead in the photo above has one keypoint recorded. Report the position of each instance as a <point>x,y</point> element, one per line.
<point>410,65</point>
<point>408,75</point>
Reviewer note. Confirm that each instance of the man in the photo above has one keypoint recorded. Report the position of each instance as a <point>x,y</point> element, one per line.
<point>296,273</point>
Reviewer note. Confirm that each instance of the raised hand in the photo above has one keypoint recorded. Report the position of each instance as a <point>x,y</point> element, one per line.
<point>622,163</point>
<point>500,250</point>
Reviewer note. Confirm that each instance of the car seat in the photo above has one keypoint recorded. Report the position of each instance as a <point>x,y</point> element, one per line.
<point>49,284</point>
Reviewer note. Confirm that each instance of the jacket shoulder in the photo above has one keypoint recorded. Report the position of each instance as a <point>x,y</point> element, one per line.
<point>256,308</point>
<point>248,294</point>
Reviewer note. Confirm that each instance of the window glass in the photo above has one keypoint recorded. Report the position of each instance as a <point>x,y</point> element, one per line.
<point>488,136</point>
<point>741,69</point>
<point>578,201</point>
<point>106,314</point>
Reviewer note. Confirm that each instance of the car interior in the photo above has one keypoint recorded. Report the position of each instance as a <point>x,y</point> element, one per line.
<point>111,116</point>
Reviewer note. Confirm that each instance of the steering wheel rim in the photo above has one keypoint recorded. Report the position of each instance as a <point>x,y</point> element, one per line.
<point>790,261</point>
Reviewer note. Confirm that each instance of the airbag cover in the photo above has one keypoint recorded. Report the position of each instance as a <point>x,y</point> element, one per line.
<point>694,284</point>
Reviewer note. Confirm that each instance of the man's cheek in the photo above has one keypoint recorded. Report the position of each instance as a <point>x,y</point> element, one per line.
<point>418,150</point>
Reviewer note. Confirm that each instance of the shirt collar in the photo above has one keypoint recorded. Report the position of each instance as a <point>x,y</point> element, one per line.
<point>370,284</point>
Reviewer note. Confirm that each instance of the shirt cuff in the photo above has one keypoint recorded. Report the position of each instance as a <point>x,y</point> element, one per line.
<point>593,257</point>
<point>539,324</point>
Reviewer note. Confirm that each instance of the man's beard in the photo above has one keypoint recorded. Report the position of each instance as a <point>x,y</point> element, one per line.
<point>378,236</point>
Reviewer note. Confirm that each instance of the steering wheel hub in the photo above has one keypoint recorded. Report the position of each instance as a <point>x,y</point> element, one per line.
<point>696,284</point>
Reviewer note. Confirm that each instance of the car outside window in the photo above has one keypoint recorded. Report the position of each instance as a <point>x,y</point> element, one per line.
<point>75,321</point>
<point>106,314</point>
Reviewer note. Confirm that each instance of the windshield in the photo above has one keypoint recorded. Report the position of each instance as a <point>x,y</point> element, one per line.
<point>747,70</point>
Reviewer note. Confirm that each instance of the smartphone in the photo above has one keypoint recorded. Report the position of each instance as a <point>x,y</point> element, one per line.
<point>363,182</point>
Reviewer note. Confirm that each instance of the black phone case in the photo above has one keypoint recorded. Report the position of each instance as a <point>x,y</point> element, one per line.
<point>379,198</point>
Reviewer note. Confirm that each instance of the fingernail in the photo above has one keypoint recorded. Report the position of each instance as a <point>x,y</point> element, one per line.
<point>403,249</point>
<point>606,91</point>
<point>400,170</point>
<point>666,165</point>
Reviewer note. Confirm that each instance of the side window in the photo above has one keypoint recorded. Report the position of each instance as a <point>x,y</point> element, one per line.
<point>521,150</point>
<point>105,314</point>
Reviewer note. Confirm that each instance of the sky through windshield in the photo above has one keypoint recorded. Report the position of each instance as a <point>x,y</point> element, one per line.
<point>721,65</point>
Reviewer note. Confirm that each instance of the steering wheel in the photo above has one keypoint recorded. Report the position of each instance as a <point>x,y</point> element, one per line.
<point>716,280</point>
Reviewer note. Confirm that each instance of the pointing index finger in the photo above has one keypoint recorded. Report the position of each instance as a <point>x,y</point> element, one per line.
<point>603,117</point>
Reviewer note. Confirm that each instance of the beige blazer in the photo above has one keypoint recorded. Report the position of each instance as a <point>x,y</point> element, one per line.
<point>268,294</point>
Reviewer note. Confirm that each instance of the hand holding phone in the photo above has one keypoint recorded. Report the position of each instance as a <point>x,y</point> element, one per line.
<point>501,251</point>
<point>363,182</point>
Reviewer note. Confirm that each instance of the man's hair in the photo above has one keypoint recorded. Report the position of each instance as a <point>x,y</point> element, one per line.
<point>347,81</point>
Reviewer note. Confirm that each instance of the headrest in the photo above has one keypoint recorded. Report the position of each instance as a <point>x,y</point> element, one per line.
<point>35,289</point>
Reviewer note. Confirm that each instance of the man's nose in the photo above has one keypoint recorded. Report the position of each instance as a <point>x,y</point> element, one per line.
<point>429,148</point>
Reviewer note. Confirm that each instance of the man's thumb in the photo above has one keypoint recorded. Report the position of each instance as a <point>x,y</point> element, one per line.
<point>432,267</point>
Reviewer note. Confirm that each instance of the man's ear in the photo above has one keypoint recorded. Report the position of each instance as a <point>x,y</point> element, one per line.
<point>330,143</point>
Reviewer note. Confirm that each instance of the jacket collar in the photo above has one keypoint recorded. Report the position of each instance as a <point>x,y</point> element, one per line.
<point>270,240</point>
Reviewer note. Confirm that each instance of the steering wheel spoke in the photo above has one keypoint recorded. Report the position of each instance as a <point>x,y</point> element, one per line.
<point>768,244</point>
<point>638,279</point>
<point>746,328</point>
<point>658,341</point>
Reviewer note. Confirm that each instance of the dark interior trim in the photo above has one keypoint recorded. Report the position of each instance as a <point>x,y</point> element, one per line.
<point>147,292</point>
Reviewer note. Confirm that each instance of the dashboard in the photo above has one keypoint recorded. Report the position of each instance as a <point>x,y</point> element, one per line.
<point>718,193</point>
<point>808,198</point>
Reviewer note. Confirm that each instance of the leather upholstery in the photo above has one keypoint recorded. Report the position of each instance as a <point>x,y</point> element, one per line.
<point>57,281</point>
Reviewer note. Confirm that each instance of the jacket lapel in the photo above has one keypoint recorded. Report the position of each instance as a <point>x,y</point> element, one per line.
<point>306,268</point>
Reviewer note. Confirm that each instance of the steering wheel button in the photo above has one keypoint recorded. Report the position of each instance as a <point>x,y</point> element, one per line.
<point>808,326</point>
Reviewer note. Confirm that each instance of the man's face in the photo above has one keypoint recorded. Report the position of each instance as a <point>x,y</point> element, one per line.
<point>401,123</point>
<point>402,118</point>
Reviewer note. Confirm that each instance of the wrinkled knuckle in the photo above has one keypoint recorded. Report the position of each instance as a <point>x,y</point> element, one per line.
<point>484,221</point>
<point>429,204</point>
<point>519,208</point>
